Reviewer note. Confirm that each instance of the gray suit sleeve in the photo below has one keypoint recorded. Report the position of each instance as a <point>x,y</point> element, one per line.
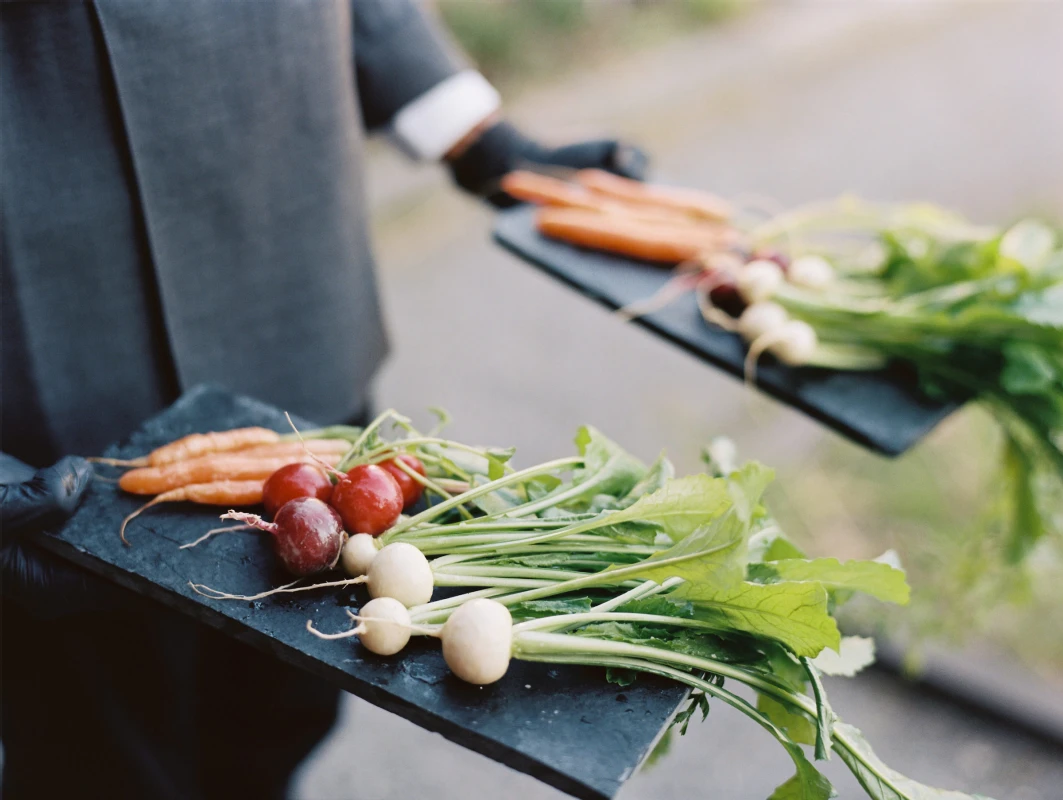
<point>399,54</point>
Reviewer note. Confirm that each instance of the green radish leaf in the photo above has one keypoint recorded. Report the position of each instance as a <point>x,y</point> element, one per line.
<point>1027,524</point>
<point>772,546</point>
<point>795,614</point>
<point>535,560</point>
<point>632,532</point>
<point>496,461</point>
<point>681,506</point>
<point>870,577</point>
<point>620,676</point>
<point>536,609</point>
<point>825,716</point>
<point>797,726</point>
<point>685,505</point>
<point>607,467</point>
<point>663,606</point>
<point>659,474</point>
<point>713,555</point>
<point>443,419</point>
<point>1028,369</point>
<point>808,783</point>
<point>497,502</point>
<point>540,486</point>
<point>878,780</point>
<point>1027,244</point>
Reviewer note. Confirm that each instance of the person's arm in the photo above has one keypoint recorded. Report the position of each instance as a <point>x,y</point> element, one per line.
<point>411,80</point>
<point>439,109</point>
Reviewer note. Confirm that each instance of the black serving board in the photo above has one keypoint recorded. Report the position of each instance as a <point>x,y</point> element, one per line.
<point>565,726</point>
<point>882,410</point>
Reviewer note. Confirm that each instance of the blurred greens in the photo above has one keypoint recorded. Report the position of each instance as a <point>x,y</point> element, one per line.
<point>935,506</point>
<point>516,42</point>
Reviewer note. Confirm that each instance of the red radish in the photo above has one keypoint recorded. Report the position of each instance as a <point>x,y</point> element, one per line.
<point>411,488</point>
<point>292,481</point>
<point>368,499</point>
<point>307,534</point>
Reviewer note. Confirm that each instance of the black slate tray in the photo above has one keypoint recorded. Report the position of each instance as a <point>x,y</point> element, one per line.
<point>565,726</point>
<point>881,410</point>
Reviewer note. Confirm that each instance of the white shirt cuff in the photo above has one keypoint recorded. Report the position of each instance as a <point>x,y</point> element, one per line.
<point>431,124</point>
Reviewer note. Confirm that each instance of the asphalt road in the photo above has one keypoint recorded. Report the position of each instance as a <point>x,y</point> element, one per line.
<point>953,102</point>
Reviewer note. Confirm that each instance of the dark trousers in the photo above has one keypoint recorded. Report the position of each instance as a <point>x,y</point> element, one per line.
<point>148,704</point>
<point>142,702</point>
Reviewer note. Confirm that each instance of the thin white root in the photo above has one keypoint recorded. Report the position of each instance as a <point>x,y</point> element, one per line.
<point>214,594</point>
<point>213,531</point>
<point>125,522</point>
<point>663,297</point>
<point>329,469</point>
<point>358,630</point>
<point>709,311</point>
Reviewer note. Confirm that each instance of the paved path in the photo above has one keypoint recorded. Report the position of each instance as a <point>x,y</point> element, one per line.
<point>953,102</point>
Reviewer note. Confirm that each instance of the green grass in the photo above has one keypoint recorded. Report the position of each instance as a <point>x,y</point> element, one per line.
<point>518,42</point>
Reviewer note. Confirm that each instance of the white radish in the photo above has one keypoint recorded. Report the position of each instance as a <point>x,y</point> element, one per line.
<point>358,553</point>
<point>385,625</point>
<point>759,280</point>
<point>478,641</point>
<point>810,272</point>
<point>761,318</point>
<point>794,343</point>
<point>401,571</point>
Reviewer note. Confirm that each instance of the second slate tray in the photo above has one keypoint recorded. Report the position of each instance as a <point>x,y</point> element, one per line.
<point>565,726</point>
<point>883,410</point>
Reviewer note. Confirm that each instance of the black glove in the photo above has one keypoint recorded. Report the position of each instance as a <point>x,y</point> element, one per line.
<point>39,582</point>
<point>502,148</point>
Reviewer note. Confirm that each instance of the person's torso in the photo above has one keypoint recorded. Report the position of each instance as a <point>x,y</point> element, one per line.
<point>181,204</point>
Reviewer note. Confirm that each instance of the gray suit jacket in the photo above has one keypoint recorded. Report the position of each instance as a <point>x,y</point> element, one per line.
<point>182,202</point>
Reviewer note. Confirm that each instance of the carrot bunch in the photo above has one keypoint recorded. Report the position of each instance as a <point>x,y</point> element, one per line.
<point>222,468</point>
<point>603,211</point>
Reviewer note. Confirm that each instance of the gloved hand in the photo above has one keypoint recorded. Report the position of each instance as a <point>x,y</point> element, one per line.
<point>502,148</point>
<point>41,583</point>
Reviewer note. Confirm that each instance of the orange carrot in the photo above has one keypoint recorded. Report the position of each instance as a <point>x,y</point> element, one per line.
<point>201,444</point>
<point>690,201</point>
<point>217,493</point>
<point>668,243</point>
<point>531,187</point>
<point>207,469</point>
<point>319,447</point>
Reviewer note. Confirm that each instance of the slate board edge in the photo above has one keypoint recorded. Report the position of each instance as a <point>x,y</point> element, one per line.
<point>647,322</point>
<point>465,737</point>
<point>366,691</point>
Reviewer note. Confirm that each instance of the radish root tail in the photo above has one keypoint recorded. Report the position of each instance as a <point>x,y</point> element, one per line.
<point>360,628</point>
<point>214,594</point>
<point>357,630</point>
<point>709,311</point>
<point>756,350</point>
<point>663,297</point>
<point>250,520</point>
<point>137,513</point>
<point>214,531</point>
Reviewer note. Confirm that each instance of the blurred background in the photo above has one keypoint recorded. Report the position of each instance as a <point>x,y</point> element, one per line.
<point>954,102</point>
